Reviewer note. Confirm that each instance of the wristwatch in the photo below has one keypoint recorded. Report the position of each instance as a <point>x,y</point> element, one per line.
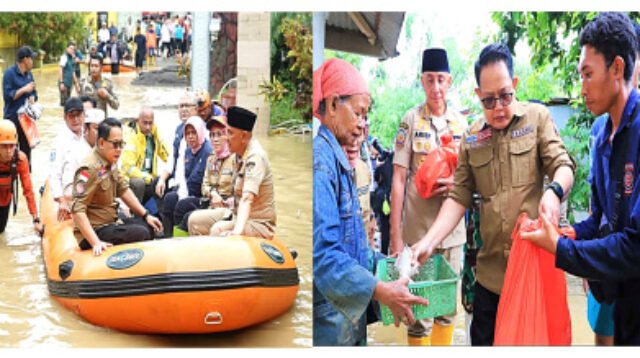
<point>556,188</point>
<point>144,216</point>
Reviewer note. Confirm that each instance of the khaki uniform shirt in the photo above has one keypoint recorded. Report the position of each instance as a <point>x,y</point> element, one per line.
<point>506,167</point>
<point>419,134</point>
<point>254,176</point>
<point>218,176</point>
<point>363,184</point>
<point>96,185</point>
<point>90,88</point>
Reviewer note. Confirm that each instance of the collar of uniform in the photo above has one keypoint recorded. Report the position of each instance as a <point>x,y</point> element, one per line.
<point>426,113</point>
<point>102,160</point>
<point>75,137</point>
<point>248,150</point>
<point>325,133</point>
<point>624,122</point>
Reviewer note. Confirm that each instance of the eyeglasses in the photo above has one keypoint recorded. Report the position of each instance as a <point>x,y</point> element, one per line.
<point>186,105</point>
<point>362,118</point>
<point>504,98</point>
<point>116,144</point>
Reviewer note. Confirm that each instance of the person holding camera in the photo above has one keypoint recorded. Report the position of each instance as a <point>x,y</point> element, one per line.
<point>217,200</point>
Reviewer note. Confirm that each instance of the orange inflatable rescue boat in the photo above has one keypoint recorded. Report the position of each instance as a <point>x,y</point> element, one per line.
<point>179,285</point>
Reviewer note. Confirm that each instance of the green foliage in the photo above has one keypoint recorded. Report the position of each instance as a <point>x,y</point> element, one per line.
<point>49,32</point>
<point>289,90</point>
<point>388,108</point>
<point>554,41</point>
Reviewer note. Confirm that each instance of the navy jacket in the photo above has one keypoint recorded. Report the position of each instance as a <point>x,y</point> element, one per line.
<point>12,81</point>
<point>613,259</point>
<point>194,166</point>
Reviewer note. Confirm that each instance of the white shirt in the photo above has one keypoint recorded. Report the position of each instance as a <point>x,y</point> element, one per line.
<point>68,152</point>
<point>103,35</point>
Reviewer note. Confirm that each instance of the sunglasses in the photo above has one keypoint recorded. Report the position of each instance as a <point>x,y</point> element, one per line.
<point>116,144</point>
<point>504,98</point>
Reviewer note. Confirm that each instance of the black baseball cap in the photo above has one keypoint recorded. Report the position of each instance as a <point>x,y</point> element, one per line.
<point>73,104</point>
<point>25,51</point>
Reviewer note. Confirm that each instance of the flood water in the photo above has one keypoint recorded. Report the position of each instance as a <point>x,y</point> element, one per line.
<point>29,317</point>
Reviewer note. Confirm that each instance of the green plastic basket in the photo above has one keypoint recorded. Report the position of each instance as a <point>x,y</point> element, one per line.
<point>436,281</point>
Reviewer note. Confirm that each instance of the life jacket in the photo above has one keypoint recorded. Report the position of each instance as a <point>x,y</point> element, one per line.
<point>9,182</point>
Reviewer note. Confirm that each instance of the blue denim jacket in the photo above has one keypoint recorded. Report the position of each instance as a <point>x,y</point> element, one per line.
<point>343,283</point>
<point>613,258</point>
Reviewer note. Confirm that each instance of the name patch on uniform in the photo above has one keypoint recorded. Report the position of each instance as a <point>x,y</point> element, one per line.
<point>521,132</point>
<point>628,179</point>
<point>421,134</point>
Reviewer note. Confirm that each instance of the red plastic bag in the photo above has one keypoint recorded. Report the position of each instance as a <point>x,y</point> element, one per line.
<point>30,129</point>
<point>439,163</point>
<point>533,307</point>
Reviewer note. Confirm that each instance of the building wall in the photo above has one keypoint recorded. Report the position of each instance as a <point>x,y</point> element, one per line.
<point>224,52</point>
<point>254,50</point>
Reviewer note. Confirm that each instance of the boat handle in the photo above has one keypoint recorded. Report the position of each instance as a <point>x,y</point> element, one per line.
<point>213,318</point>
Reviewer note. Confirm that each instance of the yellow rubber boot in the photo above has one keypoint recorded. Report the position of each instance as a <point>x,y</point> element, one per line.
<point>419,341</point>
<point>441,335</point>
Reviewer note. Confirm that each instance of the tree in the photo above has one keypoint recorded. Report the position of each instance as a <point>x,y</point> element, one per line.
<point>289,90</point>
<point>49,32</point>
<point>554,41</point>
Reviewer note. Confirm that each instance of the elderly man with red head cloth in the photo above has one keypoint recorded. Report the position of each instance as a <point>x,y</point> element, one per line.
<point>344,284</point>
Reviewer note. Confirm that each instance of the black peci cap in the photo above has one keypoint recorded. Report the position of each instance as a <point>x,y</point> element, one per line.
<point>435,60</point>
<point>241,118</point>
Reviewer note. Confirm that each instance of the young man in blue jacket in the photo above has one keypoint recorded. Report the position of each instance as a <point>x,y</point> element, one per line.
<point>607,246</point>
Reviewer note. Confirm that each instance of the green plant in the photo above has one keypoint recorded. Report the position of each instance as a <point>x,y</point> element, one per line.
<point>291,60</point>
<point>49,32</point>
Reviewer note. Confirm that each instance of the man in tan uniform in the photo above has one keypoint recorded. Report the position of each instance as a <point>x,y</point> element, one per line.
<point>96,185</point>
<point>411,215</point>
<point>504,157</point>
<point>255,210</point>
<point>217,184</point>
<point>98,88</point>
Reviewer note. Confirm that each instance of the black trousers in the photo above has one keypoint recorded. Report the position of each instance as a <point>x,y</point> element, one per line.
<point>169,203</point>
<point>132,230</point>
<point>115,68</point>
<point>4,217</point>
<point>626,321</point>
<point>485,309</point>
<point>183,210</point>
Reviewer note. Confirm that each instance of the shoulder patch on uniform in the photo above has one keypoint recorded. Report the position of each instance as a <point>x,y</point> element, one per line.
<point>83,175</point>
<point>401,137</point>
<point>249,168</point>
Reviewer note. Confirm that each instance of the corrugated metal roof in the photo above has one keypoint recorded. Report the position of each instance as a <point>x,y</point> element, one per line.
<point>343,33</point>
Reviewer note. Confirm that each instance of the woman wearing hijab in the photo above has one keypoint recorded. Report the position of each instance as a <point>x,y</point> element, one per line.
<point>195,159</point>
<point>343,280</point>
<point>217,186</point>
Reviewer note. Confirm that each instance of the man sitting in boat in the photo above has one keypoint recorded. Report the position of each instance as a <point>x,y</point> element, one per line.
<point>140,156</point>
<point>96,185</point>
<point>217,185</point>
<point>98,88</point>
<point>255,210</point>
<point>68,151</point>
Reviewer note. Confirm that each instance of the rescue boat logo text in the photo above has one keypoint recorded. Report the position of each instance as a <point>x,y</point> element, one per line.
<point>125,259</point>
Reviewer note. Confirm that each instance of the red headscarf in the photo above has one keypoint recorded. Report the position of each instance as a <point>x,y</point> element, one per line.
<point>336,77</point>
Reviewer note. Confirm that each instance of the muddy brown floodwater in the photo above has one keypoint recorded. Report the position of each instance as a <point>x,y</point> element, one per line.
<point>30,317</point>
